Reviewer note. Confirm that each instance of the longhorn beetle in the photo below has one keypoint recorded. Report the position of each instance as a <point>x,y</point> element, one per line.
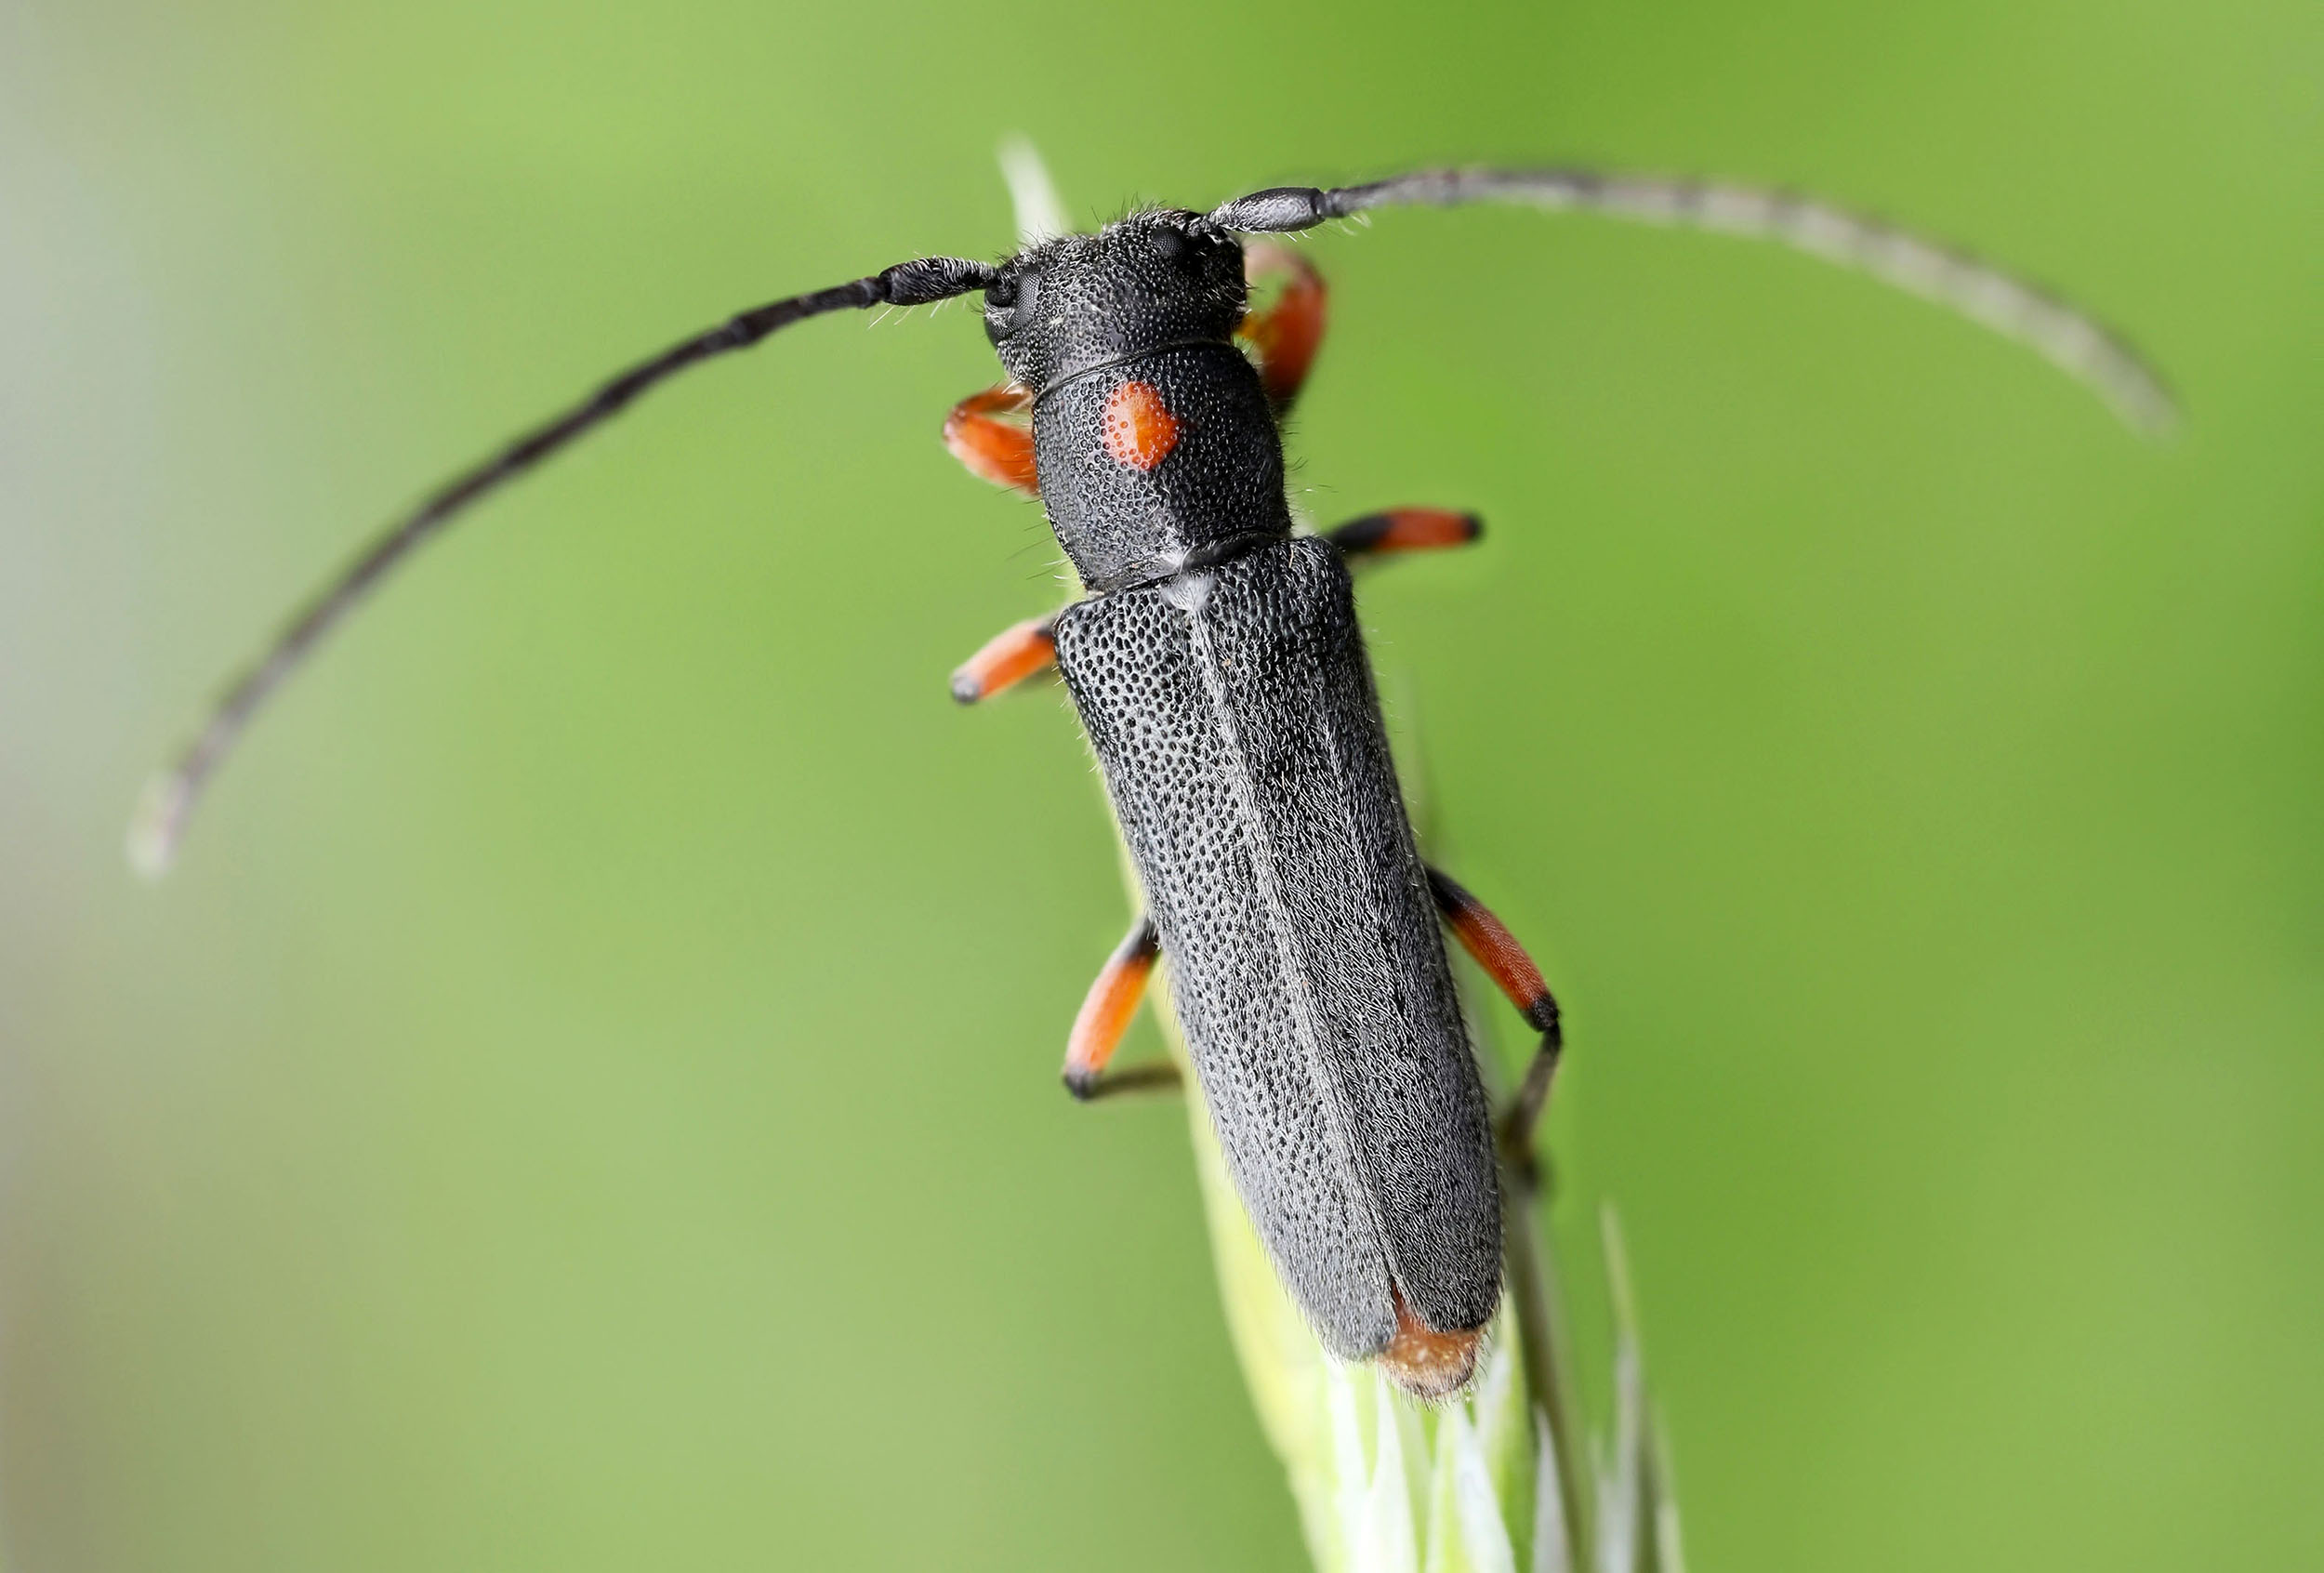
<point>1217,667</point>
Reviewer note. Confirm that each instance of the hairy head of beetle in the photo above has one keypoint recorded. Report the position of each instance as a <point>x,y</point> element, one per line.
<point>1156,279</point>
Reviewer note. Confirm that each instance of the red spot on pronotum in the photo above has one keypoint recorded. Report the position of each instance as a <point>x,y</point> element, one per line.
<point>1140,430</point>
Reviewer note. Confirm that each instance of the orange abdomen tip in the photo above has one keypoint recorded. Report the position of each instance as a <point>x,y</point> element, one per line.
<point>1140,430</point>
<point>1426,1363</point>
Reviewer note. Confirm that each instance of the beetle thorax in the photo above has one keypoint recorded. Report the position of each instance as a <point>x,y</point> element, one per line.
<point>1154,443</point>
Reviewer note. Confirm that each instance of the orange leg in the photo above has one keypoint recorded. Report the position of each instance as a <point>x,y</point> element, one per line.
<point>1008,658</point>
<point>1399,530</point>
<point>1105,1016</point>
<point>1285,335</point>
<point>1496,949</point>
<point>996,450</point>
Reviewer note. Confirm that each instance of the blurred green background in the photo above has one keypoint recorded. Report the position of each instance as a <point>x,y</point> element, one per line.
<point>588,1098</point>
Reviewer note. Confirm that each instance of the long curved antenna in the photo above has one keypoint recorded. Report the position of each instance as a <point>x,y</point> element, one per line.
<point>160,822</point>
<point>2076,343</point>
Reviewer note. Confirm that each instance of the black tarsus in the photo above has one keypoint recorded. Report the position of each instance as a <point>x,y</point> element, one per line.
<point>161,821</point>
<point>1149,1075</point>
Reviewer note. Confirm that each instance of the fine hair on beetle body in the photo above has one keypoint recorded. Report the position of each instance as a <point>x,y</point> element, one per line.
<point>1218,668</point>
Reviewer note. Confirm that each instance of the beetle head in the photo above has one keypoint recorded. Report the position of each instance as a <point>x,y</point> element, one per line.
<point>1148,281</point>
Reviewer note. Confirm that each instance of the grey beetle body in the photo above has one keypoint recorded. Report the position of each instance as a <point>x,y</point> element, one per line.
<point>1219,672</point>
<point>1222,681</point>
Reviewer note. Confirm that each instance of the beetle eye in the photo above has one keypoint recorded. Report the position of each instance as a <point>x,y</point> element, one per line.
<point>1008,303</point>
<point>1168,244</point>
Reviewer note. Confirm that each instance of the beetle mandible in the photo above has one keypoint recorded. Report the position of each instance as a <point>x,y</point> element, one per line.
<point>1218,668</point>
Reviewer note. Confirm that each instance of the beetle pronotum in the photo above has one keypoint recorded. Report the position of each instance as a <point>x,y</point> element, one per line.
<point>1217,667</point>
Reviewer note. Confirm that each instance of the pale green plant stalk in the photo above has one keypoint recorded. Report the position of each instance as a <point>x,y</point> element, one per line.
<point>1495,1480</point>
